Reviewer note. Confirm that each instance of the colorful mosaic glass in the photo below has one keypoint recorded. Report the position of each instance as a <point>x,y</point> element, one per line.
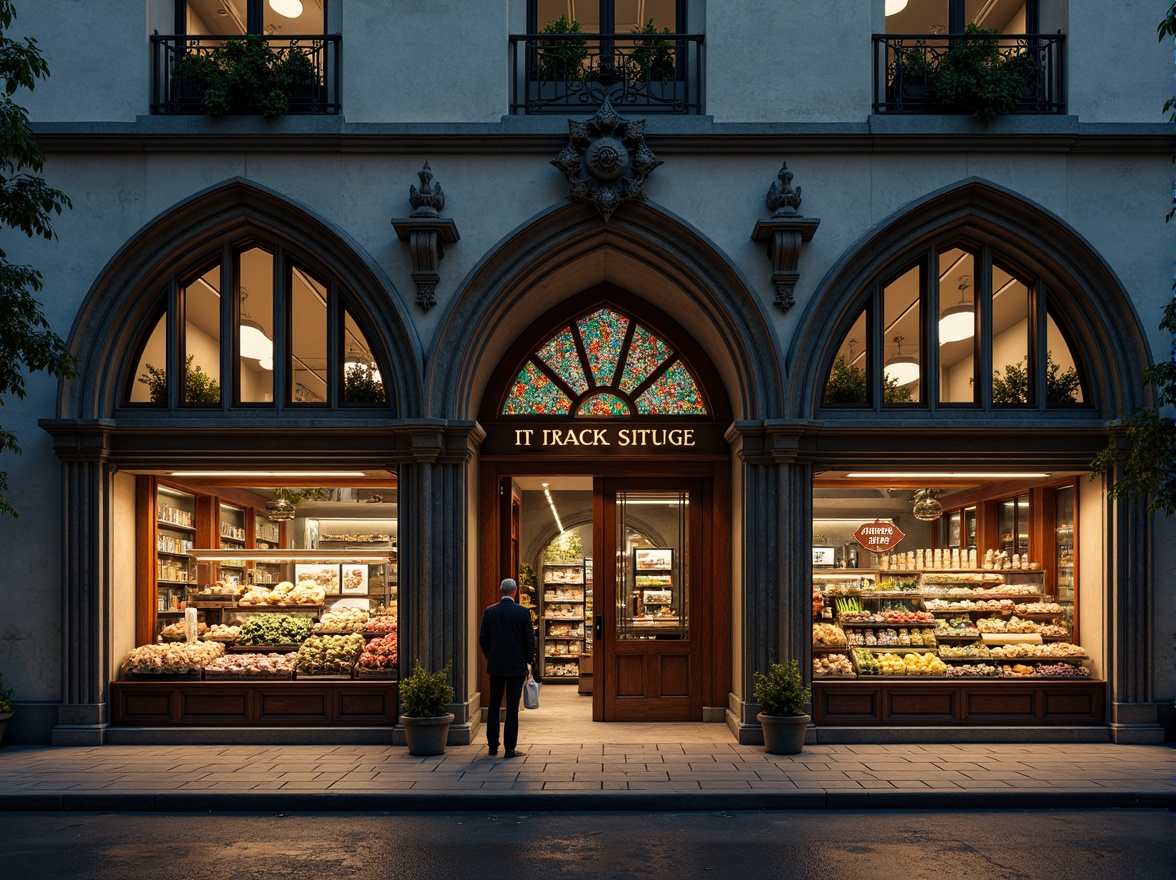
<point>646,353</point>
<point>535,394</point>
<point>560,354</point>
<point>603,405</point>
<point>603,334</point>
<point>674,393</point>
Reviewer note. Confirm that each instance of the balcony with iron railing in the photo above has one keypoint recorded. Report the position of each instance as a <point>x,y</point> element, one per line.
<point>558,73</point>
<point>906,67</point>
<point>320,94</point>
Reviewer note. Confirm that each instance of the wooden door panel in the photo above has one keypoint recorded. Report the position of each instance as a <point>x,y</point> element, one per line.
<point>630,675</point>
<point>675,675</point>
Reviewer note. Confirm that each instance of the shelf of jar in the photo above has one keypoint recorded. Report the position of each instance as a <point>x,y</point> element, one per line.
<point>163,523</point>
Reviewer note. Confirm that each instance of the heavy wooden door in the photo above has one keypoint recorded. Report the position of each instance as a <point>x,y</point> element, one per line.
<point>651,581</point>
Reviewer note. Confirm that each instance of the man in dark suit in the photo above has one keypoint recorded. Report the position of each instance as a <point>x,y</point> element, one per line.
<point>508,642</point>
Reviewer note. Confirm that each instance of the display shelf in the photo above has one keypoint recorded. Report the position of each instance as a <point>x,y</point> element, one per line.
<point>562,602</point>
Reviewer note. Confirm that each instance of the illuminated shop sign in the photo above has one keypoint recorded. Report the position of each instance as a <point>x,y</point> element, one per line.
<point>576,438</point>
<point>879,536</point>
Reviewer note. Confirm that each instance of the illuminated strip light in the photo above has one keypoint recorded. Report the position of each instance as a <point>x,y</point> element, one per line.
<point>904,475</point>
<point>268,473</point>
<point>345,556</point>
<point>551,504</point>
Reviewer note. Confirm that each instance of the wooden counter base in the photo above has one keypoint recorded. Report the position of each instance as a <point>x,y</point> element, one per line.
<point>973,701</point>
<point>299,702</point>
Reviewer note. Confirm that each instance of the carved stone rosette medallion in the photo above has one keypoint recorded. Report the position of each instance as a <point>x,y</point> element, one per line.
<point>606,160</point>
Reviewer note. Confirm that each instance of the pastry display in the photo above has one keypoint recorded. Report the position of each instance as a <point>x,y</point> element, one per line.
<point>828,635</point>
<point>284,593</point>
<point>971,651</point>
<point>832,665</point>
<point>221,632</point>
<point>176,630</point>
<point>251,666</point>
<point>1000,625</point>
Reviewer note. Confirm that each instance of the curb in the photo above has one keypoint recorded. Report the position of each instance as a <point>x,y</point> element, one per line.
<point>248,802</point>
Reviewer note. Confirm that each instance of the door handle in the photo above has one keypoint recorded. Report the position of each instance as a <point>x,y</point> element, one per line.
<point>599,628</point>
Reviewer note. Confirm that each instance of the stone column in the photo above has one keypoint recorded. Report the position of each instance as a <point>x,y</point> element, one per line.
<point>434,543</point>
<point>776,492</point>
<point>82,717</point>
<point>1131,606</point>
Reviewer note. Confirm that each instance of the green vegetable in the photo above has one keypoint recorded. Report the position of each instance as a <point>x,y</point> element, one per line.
<point>275,629</point>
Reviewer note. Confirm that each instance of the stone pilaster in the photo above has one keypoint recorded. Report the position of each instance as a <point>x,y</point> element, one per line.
<point>776,492</point>
<point>435,484</point>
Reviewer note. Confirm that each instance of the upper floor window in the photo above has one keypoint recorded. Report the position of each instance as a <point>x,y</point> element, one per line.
<point>250,327</point>
<point>634,53</point>
<point>604,364</point>
<point>984,57</point>
<point>267,57</point>
<point>957,326</point>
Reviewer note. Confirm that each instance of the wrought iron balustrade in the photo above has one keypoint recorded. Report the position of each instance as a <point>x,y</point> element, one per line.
<point>320,96</point>
<point>905,67</point>
<point>653,73</point>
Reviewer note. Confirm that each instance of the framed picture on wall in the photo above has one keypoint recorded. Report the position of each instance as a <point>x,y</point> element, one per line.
<point>315,575</point>
<point>355,579</point>
<point>653,559</point>
<point>823,556</point>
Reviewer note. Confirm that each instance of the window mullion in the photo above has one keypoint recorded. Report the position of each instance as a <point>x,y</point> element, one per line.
<point>928,329</point>
<point>982,296</point>
<point>173,362</point>
<point>230,315</point>
<point>1038,344</point>
<point>876,321</point>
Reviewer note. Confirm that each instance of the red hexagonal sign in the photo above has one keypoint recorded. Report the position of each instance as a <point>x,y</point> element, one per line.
<point>878,536</point>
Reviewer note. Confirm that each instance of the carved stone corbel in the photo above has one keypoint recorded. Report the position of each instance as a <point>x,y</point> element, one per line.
<point>426,232</point>
<point>784,232</point>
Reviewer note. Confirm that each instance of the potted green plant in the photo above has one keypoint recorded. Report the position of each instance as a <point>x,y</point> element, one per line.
<point>6,710</point>
<point>199,387</point>
<point>424,700</point>
<point>362,384</point>
<point>975,77</point>
<point>915,68</point>
<point>653,57</point>
<point>562,59</point>
<point>847,384</point>
<point>782,695</point>
<point>246,75</point>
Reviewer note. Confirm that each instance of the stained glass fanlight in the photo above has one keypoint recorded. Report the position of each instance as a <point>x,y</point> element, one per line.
<point>604,365</point>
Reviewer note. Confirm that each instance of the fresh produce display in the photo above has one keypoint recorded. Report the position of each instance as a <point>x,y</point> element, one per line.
<point>975,650</point>
<point>1053,649</point>
<point>828,635</point>
<point>251,666</point>
<point>964,578</point>
<point>343,620</point>
<point>275,629</point>
<point>913,663</point>
<point>866,662</point>
<point>896,615</point>
<point>845,586</point>
<point>172,659</point>
<point>973,670</point>
<point>380,626</point>
<point>830,665</point>
<point>999,625</point>
<point>956,626</point>
<point>818,602</point>
<point>897,585</point>
<point>381,654</point>
<point>1000,606</point>
<point>284,593</point>
<point>329,655</point>
<point>222,632</point>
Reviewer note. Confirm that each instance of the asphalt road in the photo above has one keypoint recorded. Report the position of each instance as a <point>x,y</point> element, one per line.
<point>826,845</point>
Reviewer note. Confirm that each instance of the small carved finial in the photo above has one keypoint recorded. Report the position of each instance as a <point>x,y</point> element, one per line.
<point>783,200</point>
<point>428,200</point>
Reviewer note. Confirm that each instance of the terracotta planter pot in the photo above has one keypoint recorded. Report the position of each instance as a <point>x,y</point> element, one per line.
<point>426,736</point>
<point>783,734</point>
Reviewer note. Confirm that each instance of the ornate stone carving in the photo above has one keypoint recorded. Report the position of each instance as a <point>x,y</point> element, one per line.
<point>606,160</point>
<point>426,232</point>
<point>784,232</point>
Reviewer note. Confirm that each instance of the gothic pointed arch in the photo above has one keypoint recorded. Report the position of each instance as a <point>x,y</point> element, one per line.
<point>646,250</point>
<point>126,298</point>
<point>1083,296</point>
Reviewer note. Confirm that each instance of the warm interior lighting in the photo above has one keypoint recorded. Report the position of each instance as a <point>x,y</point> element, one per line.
<point>268,473</point>
<point>901,369</point>
<point>266,363</point>
<point>254,342</point>
<point>551,504</point>
<point>958,322</point>
<point>892,6</point>
<point>946,475</point>
<point>345,556</point>
<point>293,8</point>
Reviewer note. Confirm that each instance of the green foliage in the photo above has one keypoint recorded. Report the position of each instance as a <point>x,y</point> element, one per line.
<point>1013,387</point>
<point>27,203</point>
<point>653,59</point>
<point>975,77</point>
<point>527,576</point>
<point>361,385</point>
<point>781,691</point>
<point>5,696</point>
<point>918,64</point>
<point>199,386</point>
<point>847,384</point>
<point>1145,454</point>
<point>568,547</point>
<point>562,60</point>
<point>246,76</point>
<point>426,694</point>
<point>1167,28</point>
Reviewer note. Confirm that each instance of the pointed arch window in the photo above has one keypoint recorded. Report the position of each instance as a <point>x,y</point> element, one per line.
<point>605,364</point>
<point>959,325</point>
<point>252,327</point>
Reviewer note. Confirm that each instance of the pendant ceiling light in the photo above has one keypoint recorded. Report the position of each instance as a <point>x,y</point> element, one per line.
<point>901,369</point>
<point>892,6</point>
<point>280,509</point>
<point>959,321</point>
<point>254,343</point>
<point>293,8</point>
<point>927,509</point>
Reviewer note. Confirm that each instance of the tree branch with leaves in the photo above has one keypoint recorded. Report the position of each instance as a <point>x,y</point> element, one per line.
<point>27,204</point>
